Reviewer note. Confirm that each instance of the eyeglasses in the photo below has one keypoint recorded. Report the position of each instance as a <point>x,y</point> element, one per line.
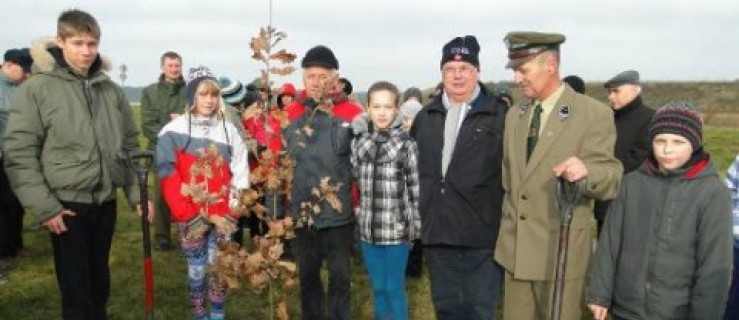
<point>463,70</point>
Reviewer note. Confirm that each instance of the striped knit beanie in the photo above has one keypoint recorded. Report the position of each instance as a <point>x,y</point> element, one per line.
<point>232,91</point>
<point>681,118</point>
<point>194,77</point>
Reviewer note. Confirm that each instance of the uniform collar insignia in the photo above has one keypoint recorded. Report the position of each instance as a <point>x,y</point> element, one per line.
<point>523,107</point>
<point>564,112</point>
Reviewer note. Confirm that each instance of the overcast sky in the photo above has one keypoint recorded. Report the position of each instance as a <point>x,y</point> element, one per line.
<point>401,40</point>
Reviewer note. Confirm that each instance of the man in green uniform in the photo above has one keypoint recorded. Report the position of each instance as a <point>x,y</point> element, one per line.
<point>161,102</point>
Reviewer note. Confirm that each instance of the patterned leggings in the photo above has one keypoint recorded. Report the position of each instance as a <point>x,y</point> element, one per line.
<point>200,254</point>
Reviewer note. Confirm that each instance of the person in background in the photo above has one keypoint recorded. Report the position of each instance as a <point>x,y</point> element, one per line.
<point>550,135</point>
<point>264,127</point>
<point>460,147</point>
<point>265,92</point>
<point>412,98</point>
<point>286,96</point>
<point>438,90</point>
<point>631,117</point>
<point>326,153</point>
<point>202,134</point>
<point>384,163</point>
<point>240,102</point>
<point>665,250</point>
<point>16,68</point>
<point>575,82</point>
<point>65,163</point>
<point>503,93</point>
<point>732,181</point>
<point>346,86</point>
<point>161,102</point>
<point>233,93</point>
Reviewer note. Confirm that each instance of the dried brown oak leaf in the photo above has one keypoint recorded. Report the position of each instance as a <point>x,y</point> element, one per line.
<point>283,56</point>
<point>283,71</point>
<point>281,311</point>
<point>250,196</point>
<point>333,201</point>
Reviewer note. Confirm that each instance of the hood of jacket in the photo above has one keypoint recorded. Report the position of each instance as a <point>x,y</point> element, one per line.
<point>699,166</point>
<point>390,141</point>
<point>48,58</point>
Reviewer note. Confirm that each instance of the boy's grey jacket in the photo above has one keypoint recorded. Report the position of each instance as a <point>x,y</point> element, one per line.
<point>666,247</point>
<point>68,137</point>
<point>385,165</point>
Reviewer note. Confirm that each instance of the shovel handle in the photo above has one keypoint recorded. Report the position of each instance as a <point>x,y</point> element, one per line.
<point>569,195</point>
<point>137,155</point>
<point>135,158</point>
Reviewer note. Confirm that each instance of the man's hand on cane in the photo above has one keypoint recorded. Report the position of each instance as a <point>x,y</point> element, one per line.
<point>572,169</point>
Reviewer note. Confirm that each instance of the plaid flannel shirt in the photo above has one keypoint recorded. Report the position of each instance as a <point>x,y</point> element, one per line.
<point>385,166</point>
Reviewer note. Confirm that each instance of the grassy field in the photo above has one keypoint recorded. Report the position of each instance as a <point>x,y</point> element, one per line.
<point>31,291</point>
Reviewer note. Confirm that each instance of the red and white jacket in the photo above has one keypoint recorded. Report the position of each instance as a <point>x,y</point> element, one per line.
<point>180,144</point>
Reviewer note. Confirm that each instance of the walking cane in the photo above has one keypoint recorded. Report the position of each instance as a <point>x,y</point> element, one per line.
<point>142,172</point>
<point>568,195</point>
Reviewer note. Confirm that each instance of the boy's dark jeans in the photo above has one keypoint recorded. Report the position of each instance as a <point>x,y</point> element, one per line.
<point>81,260</point>
<point>311,247</point>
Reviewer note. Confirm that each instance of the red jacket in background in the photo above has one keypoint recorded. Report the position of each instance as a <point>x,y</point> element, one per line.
<point>344,109</point>
<point>272,140</point>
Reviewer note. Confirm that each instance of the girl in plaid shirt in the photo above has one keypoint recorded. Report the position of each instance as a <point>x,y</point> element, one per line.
<point>384,161</point>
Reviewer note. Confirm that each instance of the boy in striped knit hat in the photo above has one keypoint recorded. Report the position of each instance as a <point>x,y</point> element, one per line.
<point>665,249</point>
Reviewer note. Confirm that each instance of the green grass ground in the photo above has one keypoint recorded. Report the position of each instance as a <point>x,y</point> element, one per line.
<point>31,291</point>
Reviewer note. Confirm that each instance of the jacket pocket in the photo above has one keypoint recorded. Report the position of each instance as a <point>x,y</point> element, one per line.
<point>488,138</point>
<point>117,168</point>
<point>65,170</point>
<point>341,137</point>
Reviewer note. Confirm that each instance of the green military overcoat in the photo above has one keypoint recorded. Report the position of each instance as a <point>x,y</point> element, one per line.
<point>529,230</point>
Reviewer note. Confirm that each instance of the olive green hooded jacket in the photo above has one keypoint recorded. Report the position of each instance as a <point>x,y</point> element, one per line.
<point>68,136</point>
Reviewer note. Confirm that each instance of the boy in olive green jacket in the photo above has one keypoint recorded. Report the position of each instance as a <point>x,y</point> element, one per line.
<point>65,150</point>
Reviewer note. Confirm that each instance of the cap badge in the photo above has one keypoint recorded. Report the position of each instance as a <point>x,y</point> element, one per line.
<point>523,108</point>
<point>564,112</point>
<point>459,50</point>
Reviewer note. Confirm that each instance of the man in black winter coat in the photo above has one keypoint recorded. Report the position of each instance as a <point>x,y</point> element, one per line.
<point>460,142</point>
<point>632,123</point>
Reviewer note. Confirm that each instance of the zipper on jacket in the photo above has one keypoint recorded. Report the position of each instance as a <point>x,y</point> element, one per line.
<point>88,98</point>
<point>372,196</point>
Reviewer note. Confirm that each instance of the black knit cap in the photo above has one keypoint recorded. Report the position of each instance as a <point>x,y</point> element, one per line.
<point>576,83</point>
<point>461,49</point>
<point>21,57</point>
<point>250,97</point>
<point>348,88</point>
<point>320,56</point>
<point>681,118</point>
